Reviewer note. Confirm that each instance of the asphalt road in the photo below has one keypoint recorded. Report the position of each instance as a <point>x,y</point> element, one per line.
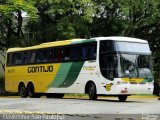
<point>79,108</point>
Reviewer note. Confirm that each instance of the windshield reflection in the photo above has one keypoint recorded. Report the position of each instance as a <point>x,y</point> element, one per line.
<point>132,47</point>
<point>135,66</point>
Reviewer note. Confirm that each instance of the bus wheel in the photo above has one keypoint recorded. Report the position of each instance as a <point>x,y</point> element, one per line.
<point>49,95</point>
<point>31,91</point>
<point>92,91</point>
<point>58,95</point>
<point>122,98</point>
<point>55,95</point>
<point>22,90</point>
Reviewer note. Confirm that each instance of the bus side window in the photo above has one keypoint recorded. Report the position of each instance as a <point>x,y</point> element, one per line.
<point>85,52</point>
<point>53,55</point>
<point>26,57</point>
<point>60,54</point>
<point>92,51</point>
<point>89,51</point>
<point>42,56</point>
<point>106,46</point>
<point>9,59</point>
<point>107,66</point>
<point>32,56</point>
<point>75,52</point>
<point>39,56</point>
<point>17,58</point>
<point>45,56</point>
<point>67,54</point>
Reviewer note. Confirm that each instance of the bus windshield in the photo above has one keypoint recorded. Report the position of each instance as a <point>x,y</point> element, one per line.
<point>125,60</point>
<point>135,66</point>
<point>132,47</point>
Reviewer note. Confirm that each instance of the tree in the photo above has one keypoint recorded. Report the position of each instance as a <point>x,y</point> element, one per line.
<point>61,20</point>
<point>142,19</point>
<point>108,18</point>
<point>11,21</point>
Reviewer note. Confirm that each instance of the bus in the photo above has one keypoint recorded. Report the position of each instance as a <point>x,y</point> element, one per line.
<point>101,66</point>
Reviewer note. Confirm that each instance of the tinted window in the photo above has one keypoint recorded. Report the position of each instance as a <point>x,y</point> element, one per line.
<point>42,56</point>
<point>92,51</point>
<point>85,52</point>
<point>60,54</point>
<point>89,51</point>
<point>106,46</point>
<point>26,57</point>
<point>67,54</point>
<point>17,58</point>
<point>75,52</point>
<point>53,55</point>
<point>9,59</point>
<point>31,57</point>
<point>107,66</point>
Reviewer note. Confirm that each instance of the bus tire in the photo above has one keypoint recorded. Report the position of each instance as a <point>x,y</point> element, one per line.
<point>22,91</point>
<point>31,91</point>
<point>92,92</point>
<point>58,95</point>
<point>55,95</point>
<point>122,98</point>
<point>49,95</point>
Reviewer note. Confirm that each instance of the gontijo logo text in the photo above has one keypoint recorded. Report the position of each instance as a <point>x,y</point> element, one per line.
<point>37,69</point>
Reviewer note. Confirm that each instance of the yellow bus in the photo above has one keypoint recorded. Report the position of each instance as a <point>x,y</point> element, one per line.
<point>118,66</point>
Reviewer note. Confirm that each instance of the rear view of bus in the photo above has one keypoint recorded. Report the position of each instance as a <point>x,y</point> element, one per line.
<point>126,63</point>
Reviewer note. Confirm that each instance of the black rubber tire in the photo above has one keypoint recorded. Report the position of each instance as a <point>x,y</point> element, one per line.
<point>58,95</point>
<point>22,91</point>
<point>49,95</point>
<point>122,98</point>
<point>31,91</point>
<point>55,95</point>
<point>92,92</point>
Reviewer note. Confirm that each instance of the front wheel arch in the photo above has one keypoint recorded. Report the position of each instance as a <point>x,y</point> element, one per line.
<point>91,90</point>
<point>87,86</point>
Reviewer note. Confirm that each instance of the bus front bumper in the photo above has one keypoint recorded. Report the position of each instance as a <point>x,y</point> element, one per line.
<point>134,89</point>
<point>130,89</point>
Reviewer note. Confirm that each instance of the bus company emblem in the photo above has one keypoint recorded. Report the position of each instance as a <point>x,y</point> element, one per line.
<point>37,69</point>
<point>108,86</point>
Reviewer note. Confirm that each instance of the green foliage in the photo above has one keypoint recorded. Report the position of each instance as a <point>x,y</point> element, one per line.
<point>141,17</point>
<point>10,7</point>
<point>11,20</point>
<point>108,18</point>
<point>61,19</point>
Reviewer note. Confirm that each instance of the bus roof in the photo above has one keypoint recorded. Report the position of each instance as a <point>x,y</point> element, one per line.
<point>118,38</point>
<point>76,41</point>
<point>52,44</point>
